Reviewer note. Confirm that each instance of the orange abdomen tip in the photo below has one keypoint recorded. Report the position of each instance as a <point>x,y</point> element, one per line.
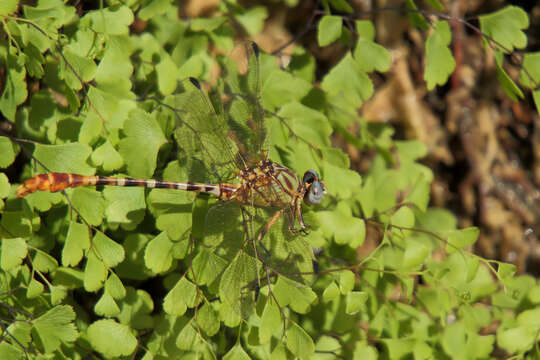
<point>44,182</point>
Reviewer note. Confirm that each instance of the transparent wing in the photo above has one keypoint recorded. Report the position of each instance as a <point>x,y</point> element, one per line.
<point>290,254</point>
<point>244,109</point>
<point>206,150</point>
<point>226,230</point>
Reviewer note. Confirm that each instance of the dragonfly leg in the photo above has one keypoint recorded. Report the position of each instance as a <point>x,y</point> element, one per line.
<point>269,225</point>
<point>297,213</point>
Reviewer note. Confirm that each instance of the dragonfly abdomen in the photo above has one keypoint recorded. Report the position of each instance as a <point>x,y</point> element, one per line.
<point>54,182</point>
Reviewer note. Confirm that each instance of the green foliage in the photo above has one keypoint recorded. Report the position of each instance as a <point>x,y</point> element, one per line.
<point>505,27</point>
<point>329,30</point>
<point>439,60</point>
<point>56,327</point>
<point>370,55</point>
<point>133,272</point>
<point>101,332</point>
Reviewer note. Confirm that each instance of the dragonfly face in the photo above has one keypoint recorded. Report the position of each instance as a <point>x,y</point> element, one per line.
<point>315,188</point>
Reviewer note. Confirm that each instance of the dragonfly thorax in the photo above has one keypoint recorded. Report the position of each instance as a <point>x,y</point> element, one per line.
<point>268,184</point>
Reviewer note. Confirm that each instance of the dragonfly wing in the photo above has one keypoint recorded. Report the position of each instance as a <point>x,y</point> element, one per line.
<point>227,231</point>
<point>208,152</point>
<point>244,109</point>
<point>291,256</point>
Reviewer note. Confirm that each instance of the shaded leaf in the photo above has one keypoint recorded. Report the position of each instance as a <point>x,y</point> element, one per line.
<point>236,353</point>
<point>15,91</point>
<point>509,86</point>
<point>299,342</point>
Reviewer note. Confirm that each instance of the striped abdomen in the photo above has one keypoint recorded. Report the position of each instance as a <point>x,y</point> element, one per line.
<point>59,181</point>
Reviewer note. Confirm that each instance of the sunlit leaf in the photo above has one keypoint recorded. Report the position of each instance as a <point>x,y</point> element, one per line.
<point>95,273</point>
<point>109,251</point>
<point>34,289</point>
<point>331,292</point>
<point>181,296</point>
<point>368,54</point>
<point>439,60</point>
<point>55,327</point>
<point>13,252</point>
<point>342,226</point>
<point>153,8</point>
<point>355,301</point>
<point>8,151</point>
<point>77,240</point>
<point>139,149</point>
<point>458,239</point>
<point>106,306</point>
<point>347,83</point>
<point>68,158</point>
<point>207,319</point>
<point>111,338</point>
<point>112,21</point>
<point>346,281</point>
<point>158,253</point>
<point>505,26</point>
<point>270,321</point>
<point>253,19</point>
<point>329,29</point>
<point>530,71</point>
<point>8,7</point>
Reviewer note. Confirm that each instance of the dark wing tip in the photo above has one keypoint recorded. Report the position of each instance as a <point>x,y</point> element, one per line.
<point>255,48</point>
<point>195,82</point>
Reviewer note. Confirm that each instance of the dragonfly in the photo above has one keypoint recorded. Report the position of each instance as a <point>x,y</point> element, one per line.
<point>224,146</point>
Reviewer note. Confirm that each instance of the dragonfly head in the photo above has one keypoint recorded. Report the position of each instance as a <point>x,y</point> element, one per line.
<point>315,188</point>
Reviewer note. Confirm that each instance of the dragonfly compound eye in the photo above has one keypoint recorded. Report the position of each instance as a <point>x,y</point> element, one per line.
<point>310,176</point>
<point>315,193</point>
<point>315,187</point>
